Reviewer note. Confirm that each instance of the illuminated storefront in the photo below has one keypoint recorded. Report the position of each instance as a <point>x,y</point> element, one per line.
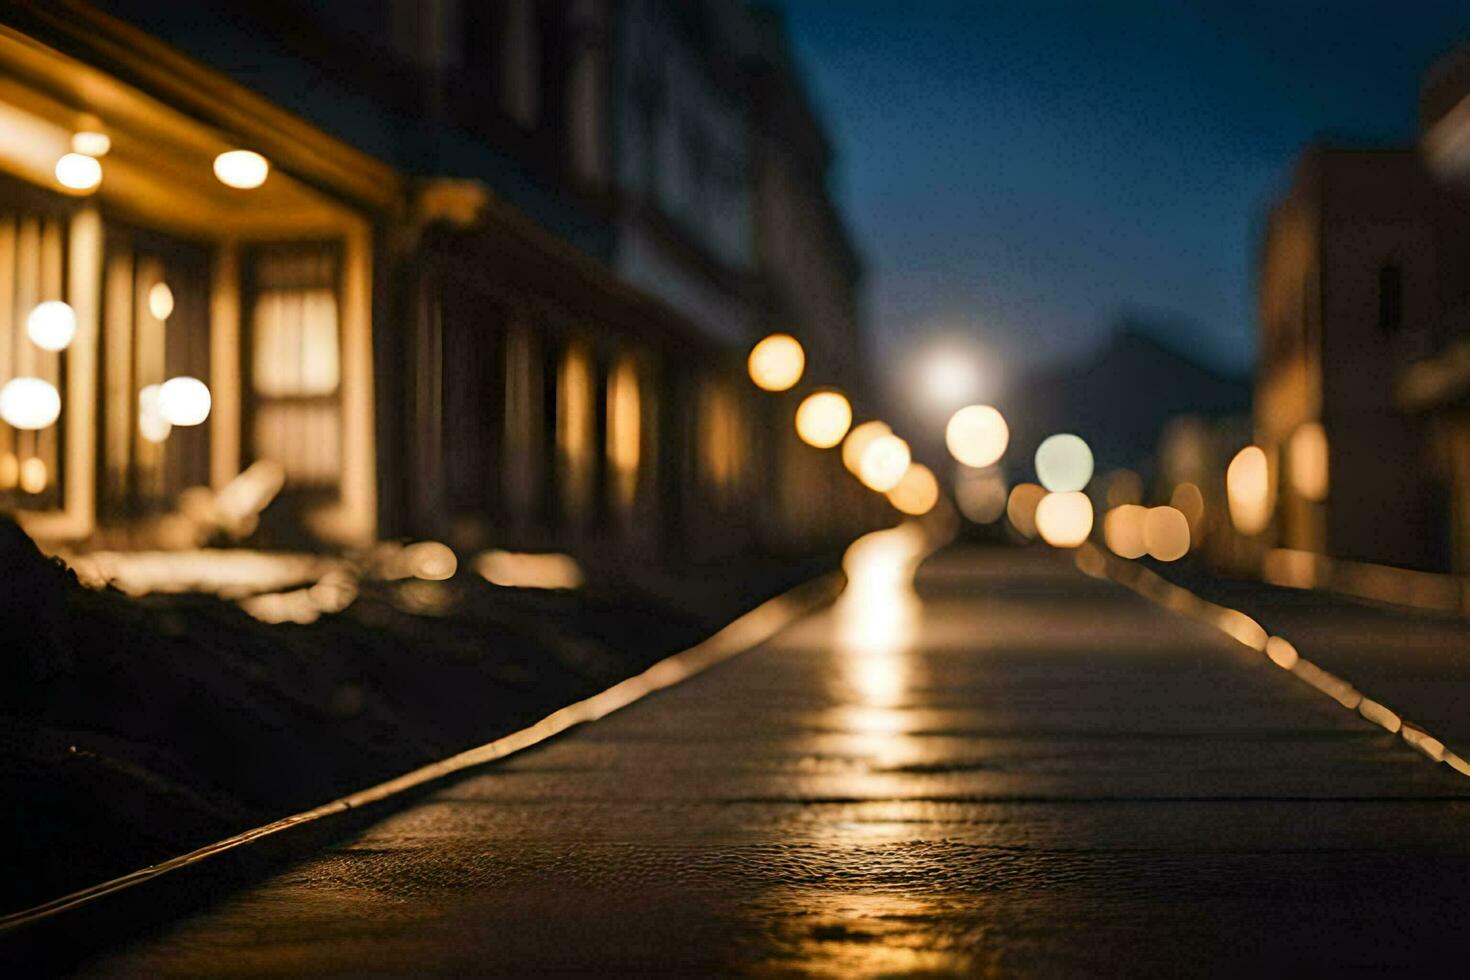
<point>215,259</point>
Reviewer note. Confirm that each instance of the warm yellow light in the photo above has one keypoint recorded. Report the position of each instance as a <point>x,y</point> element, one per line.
<point>1166,533</point>
<point>822,419</point>
<point>514,570</point>
<point>884,463</point>
<point>1021,507</point>
<point>1123,530</point>
<point>1064,520</point>
<point>977,435</point>
<point>29,403</point>
<point>1188,498</point>
<point>776,363</point>
<point>917,491</point>
<point>980,494</point>
<point>858,440</point>
<point>91,144</point>
<point>184,401</point>
<point>151,424</point>
<point>624,435</point>
<point>78,172</point>
<point>1248,489</point>
<point>51,325</point>
<point>1306,456</point>
<point>1063,463</point>
<point>244,169</point>
<point>9,471</point>
<point>160,301</point>
<point>429,560</point>
<point>33,475</point>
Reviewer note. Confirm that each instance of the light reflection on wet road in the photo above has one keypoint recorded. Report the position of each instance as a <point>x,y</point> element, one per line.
<point>1013,770</point>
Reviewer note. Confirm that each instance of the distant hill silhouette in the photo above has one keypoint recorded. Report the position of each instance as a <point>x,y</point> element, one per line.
<point>1118,399</point>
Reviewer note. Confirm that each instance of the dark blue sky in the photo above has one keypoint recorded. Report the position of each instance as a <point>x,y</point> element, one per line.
<point>1025,171</point>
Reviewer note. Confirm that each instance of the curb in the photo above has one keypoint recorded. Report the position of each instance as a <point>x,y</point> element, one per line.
<point>1092,561</point>
<point>741,634</point>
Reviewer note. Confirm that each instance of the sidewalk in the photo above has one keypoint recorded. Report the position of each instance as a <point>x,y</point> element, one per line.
<point>1415,662</point>
<point>1023,771</point>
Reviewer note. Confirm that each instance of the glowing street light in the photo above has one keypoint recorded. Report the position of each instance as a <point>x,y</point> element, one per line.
<point>1021,507</point>
<point>1166,533</point>
<point>1063,463</point>
<point>51,325</point>
<point>242,169</point>
<point>29,403</point>
<point>859,438</point>
<point>1064,520</point>
<point>822,419</point>
<point>184,401</point>
<point>777,362</point>
<point>1123,530</point>
<point>977,435</point>
<point>917,491</point>
<point>1248,490</point>
<point>884,463</point>
<point>78,172</point>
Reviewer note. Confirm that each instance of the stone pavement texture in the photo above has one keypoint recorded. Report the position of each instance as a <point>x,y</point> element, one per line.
<point>1019,771</point>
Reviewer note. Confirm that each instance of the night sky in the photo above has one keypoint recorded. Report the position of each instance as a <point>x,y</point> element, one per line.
<point>1024,172</point>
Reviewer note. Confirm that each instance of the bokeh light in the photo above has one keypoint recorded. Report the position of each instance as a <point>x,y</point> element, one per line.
<point>980,494</point>
<point>1064,520</point>
<point>242,169</point>
<point>822,419</point>
<point>1191,502</point>
<point>1248,490</point>
<point>152,426</point>
<point>1307,465</point>
<point>33,475</point>
<point>977,435</point>
<point>184,401</point>
<point>917,491</point>
<point>29,403</point>
<point>1166,533</point>
<point>884,463</point>
<point>1063,463</point>
<point>160,301</point>
<point>78,172</point>
<point>91,143</point>
<point>777,362</point>
<point>431,561</point>
<point>52,325</point>
<point>858,440</point>
<point>1123,530</point>
<point>1021,507</point>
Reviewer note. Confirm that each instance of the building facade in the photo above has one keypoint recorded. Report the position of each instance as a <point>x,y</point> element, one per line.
<point>464,301</point>
<point>1362,270</point>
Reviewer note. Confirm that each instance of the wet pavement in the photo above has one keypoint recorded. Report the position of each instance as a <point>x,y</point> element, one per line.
<point>1018,771</point>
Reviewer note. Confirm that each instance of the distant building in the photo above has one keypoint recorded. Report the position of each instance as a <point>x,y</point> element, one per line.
<point>1360,272</point>
<point>497,287</point>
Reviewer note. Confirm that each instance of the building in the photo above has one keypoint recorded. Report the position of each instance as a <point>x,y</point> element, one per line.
<point>455,306</point>
<point>1359,278</point>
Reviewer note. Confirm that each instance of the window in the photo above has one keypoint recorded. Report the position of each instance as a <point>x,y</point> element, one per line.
<point>295,364</point>
<point>1390,297</point>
